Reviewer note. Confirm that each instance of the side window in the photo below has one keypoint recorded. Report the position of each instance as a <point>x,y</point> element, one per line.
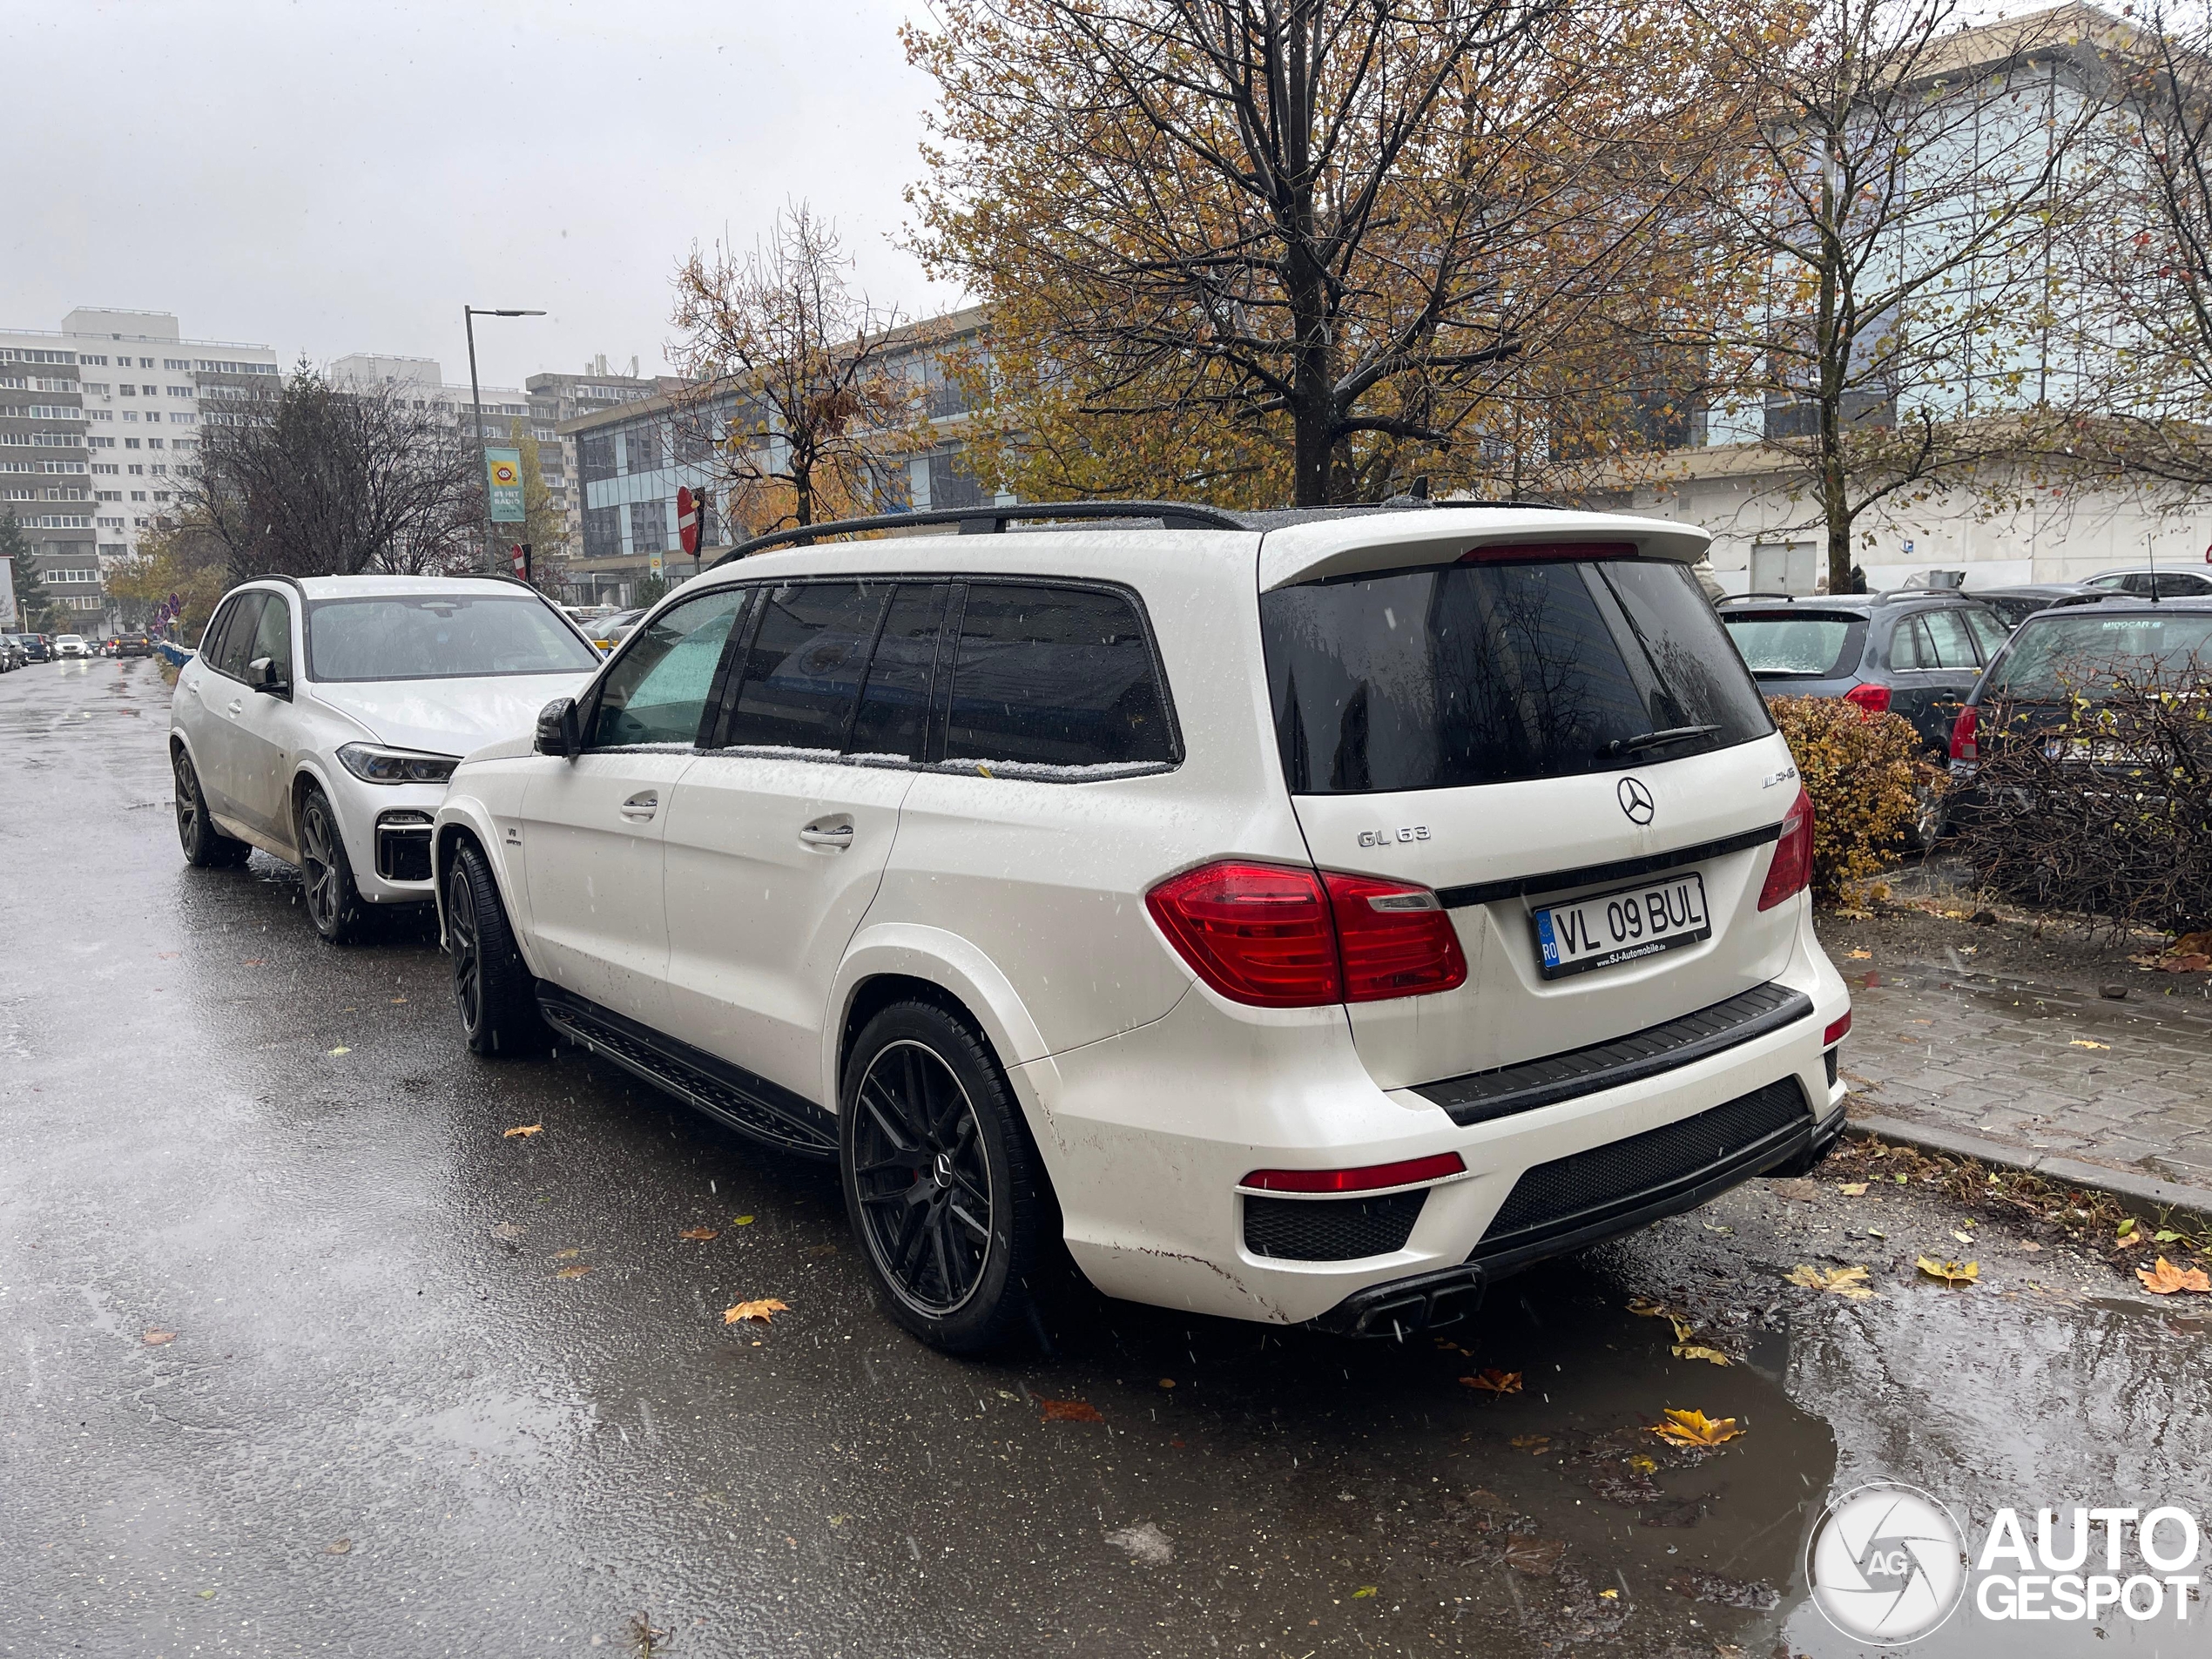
<point>238,638</point>
<point>272,639</point>
<point>895,703</point>
<point>1908,646</point>
<point>1989,631</point>
<point>803,664</point>
<point>658,692</point>
<point>210,643</point>
<point>1954,646</point>
<point>1054,676</point>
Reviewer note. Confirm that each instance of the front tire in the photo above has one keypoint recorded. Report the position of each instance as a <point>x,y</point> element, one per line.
<point>326,875</point>
<point>942,1186</point>
<point>206,847</point>
<point>492,986</point>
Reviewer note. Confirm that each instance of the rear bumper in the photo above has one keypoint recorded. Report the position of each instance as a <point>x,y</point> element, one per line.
<point>1148,1136</point>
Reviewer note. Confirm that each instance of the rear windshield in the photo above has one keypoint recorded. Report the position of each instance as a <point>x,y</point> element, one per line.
<point>1786,644</point>
<point>2059,653</point>
<point>1460,674</point>
<point>436,636</point>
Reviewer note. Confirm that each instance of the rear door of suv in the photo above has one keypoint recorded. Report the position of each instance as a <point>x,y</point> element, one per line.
<point>1562,743</point>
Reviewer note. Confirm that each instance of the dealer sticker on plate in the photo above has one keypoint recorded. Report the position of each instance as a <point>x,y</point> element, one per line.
<point>1619,927</point>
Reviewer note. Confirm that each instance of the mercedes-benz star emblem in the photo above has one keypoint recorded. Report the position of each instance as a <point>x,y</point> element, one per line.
<point>1635,800</point>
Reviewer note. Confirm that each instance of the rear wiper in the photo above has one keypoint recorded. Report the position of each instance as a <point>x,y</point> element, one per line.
<point>1655,740</point>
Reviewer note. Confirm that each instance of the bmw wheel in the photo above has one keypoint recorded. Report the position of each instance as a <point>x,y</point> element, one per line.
<point>942,1185</point>
<point>204,846</point>
<point>334,902</point>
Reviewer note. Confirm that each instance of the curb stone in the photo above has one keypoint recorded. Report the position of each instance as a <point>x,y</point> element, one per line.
<point>2124,1184</point>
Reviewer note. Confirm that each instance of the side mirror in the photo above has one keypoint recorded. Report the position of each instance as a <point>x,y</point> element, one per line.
<point>261,674</point>
<point>557,731</point>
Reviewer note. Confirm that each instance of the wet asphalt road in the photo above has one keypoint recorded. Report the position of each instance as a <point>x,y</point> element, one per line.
<point>394,1418</point>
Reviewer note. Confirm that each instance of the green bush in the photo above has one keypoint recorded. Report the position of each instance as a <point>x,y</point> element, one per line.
<point>1866,776</point>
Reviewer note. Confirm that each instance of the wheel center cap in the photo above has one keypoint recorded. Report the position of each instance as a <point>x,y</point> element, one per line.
<point>940,1169</point>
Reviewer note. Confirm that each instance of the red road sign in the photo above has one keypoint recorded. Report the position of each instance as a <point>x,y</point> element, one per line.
<point>687,521</point>
<point>520,556</point>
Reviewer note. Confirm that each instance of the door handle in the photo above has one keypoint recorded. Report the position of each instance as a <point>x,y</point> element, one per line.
<point>642,805</point>
<point>839,836</point>
<point>236,704</point>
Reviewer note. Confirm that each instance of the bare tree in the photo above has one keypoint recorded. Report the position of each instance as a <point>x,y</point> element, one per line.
<point>1312,247</point>
<point>1894,217</point>
<point>794,396</point>
<point>324,480</point>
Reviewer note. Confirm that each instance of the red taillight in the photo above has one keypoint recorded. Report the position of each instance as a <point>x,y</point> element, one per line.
<point>1396,940</point>
<point>1366,1179</point>
<point>1257,933</point>
<point>1834,1034</point>
<point>1791,872</point>
<point>1276,937</point>
<point>1875,699</point>
<point>1963,743</point>
<point>1516,552</point>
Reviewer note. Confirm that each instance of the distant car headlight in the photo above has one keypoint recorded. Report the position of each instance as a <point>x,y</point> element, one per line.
<point>373,764</point>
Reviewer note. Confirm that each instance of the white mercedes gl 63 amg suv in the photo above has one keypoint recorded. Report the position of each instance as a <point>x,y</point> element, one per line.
<point>1313,917</point>
<point>321,716</point>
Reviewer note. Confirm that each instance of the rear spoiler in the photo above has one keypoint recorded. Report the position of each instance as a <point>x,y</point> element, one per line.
<point>1349,546</point>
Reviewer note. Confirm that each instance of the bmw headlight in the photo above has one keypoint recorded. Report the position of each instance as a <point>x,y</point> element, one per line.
<point>374,765</point>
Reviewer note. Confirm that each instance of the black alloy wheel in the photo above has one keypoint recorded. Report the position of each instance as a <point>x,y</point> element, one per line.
<point>942,1181</point>
<point>204,846</point>
<point>325,874</point>
<point>493,990</point>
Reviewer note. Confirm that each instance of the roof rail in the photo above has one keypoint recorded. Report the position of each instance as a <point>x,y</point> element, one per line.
<point>992,521</point>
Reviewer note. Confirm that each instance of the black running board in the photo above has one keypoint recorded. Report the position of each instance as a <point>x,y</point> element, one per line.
<point>751,1105</point>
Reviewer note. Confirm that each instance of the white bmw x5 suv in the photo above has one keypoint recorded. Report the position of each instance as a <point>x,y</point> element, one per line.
<point>1312,917</point>
<point>322,715</point>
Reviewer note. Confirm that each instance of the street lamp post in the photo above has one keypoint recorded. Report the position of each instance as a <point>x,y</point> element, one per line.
<point>468,316</point>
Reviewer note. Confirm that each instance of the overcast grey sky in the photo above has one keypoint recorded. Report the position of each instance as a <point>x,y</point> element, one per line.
<point>335,176</point>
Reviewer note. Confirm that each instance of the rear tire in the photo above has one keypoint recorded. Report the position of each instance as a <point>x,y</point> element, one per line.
<point>493,989</point>
<point>334,902</point>
<point>942,1185</point>
<point>206,847</point>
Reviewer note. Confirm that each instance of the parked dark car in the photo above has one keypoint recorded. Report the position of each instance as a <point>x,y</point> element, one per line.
<point>2145,582</point>
<point>1912,652</point>
<point>2051,666</point>
<point>11,657</point>
<point>2017,604</point>
<point>36,647</point>
<point>133,645</point>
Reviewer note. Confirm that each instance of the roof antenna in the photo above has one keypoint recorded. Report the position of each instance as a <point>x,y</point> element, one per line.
<point>1420,491</point>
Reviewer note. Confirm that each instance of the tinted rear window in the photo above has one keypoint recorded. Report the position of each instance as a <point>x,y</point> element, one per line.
<point>1788,643</point>
<point>1050,678</point>
<point>2060,652</point>
<point>1464,674</point>
<point>802,670</point>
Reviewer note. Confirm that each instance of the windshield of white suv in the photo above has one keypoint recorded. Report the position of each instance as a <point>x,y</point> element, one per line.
<point>1460,674</point>
<point>438,636</point>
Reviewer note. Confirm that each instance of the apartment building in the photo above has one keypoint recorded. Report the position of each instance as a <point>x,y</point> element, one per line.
<point>148,391</point>
<point>45,466</point>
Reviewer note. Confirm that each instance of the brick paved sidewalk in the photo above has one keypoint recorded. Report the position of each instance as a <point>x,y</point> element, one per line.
<point>2054,1075</point>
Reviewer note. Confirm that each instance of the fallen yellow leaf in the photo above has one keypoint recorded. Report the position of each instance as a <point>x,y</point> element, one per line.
<point>342,1050</point>
<point>1531,1442</point>
<point>1951,1272</point>
<point>1643,1465</point>
<point>1365,1590</point>
<point>1608,1596</point>
<point>576,1270</point>
<point>2165,1279</point>
<point>1494,1382</point>
<point>524,1128</point>
<point>699,1235</point>
<point>1698,1350</point>
<point>2084,1043</point>
<point>764,1310</point>
<point>1695,1428</point>
<point>1859,955</point>
<point>741,1221</point>
<point>1853,1189</point>
<point>1844,1281</point>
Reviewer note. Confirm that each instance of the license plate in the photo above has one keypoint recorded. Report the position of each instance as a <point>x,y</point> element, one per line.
<point>1621,926</point>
